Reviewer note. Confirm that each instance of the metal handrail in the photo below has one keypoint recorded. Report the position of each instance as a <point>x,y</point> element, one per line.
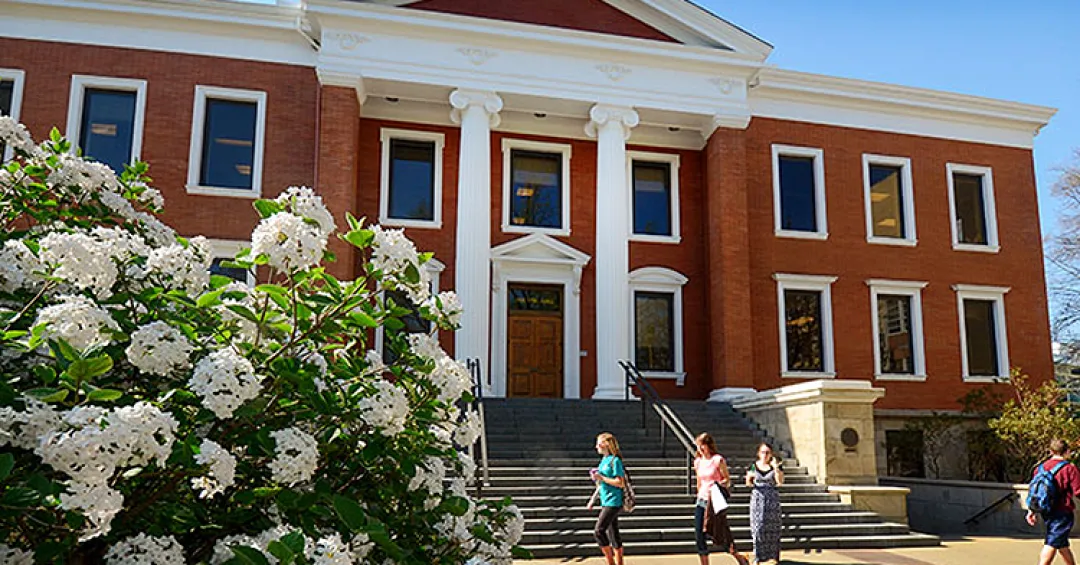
<point>476,372</point>
<point>669,420</point>
<point>993,507</point>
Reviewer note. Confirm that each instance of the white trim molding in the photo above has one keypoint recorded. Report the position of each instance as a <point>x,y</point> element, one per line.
<point>386,135</point>
<point>537,259</point>
<point>672,161</point>
<point>995,294</point>
<point>666,281</point>
<point>816,283</point>
<point>198,122</point>
<point>989,208</point>
<point>907,194</point>
<point>227,249</point>
<point>18,79</point>
<point>912,290</point>
<point>563,149</point>
<point>77,94</point>
<point>820,216</point>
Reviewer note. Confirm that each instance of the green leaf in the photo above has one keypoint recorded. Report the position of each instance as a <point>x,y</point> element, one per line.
<point>268,208</point>
<point>104,395</point>
<point>45,373</point>
<point>249,555</point>
<point>359,238</point>
<point>295,541</point>
<point>273,289</point>
<point>86,369</point>
<point>7,463</point>
<point>209,299</point>
<point>21,497</point>
<point>363,319</point>
<point>351,514</point>
<point>354,224</point>
<point>48,395</point>
<point>283,552</point>
<point>456,505</point>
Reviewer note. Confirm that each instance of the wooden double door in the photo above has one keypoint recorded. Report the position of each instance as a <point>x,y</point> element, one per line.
<point>535,341</point>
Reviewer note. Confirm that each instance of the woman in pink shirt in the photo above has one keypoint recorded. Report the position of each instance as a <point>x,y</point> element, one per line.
<point>711,470</point>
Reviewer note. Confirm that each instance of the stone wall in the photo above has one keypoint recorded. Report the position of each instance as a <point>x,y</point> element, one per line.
<point>942,507</point>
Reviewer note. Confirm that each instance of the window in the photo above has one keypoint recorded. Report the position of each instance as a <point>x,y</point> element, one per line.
<point>890,203</point>
<point>414,323</point>
<point>654,194</point>
<point>985,351</point>
<point>536,187</point>
<point>805,319</point>
<point>228,132</point>
<point>224,251</point>
<point>105,118</point>
<point>904,453</point>
<point>656,319</point>
<point>896,311</point>
<point>11,89</point>
<point>411,180</point>
<point>799,192</point>
<point>971,206</point>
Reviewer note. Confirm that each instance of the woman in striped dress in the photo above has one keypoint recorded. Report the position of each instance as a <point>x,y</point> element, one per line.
<point>764,476</point>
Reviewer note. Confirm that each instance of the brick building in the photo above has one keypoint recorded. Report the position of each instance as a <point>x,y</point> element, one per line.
<point>599,180</point>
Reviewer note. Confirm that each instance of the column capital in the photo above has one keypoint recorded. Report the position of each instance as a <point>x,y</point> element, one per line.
<point>731,119</point>
<point>603,114</point>
<point>330,77</point>
<point>462,99</point>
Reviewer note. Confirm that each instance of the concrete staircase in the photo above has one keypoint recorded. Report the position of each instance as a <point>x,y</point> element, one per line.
<point>541,450</point>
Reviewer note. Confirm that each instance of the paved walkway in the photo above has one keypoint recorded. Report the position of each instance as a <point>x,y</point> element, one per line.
<point>963,551</point>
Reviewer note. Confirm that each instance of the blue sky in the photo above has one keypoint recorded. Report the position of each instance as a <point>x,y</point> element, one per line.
<point>1022,51</point>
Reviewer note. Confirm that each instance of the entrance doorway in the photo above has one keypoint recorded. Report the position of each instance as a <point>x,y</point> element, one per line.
<point>535,341</point>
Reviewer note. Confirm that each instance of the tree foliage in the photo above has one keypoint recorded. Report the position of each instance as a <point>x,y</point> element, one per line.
<point>1029,420</point>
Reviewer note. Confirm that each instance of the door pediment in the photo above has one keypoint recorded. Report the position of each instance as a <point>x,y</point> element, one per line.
<point>539,248</point>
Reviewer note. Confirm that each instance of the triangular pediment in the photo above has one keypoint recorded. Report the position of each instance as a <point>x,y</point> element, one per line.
<point>541,248</point>
<point>669,21</point>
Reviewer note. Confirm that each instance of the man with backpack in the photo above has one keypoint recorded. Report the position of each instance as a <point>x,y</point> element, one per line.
<point>1054,483</point>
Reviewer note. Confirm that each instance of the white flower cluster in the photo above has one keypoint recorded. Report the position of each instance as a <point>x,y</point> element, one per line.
<point>80,259</point>
<point>159,349</point>
<point>296,456</point>
<point>451,377</point>
<point>78,321</point>
<point>394,254</point>
<point>222,553</point>
<point>328,550</point>
<point>387,409</point>
<point>305,203</point>
<point>468,430</point>
<point>25,428</point>
<point>458,529</point>
<point>245,329</point>
<point>15,135</point>
<point>429,476</point>
<point>331,550</point>
<point>182,267</point>
<point>288,242</point>
<point>447,305</point>
<point>92,443</point>
<point>222,473</point>
<point>468,466</point>
<point>15,556</point>
<point>18,266</point>
<point>146,550</point>
<point>224,380</point>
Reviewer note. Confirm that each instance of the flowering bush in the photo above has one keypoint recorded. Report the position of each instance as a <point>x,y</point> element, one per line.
<point>151,413</point>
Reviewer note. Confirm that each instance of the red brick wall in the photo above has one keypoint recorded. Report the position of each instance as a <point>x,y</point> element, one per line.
<point>289,157</point>
<point>583,15</point>
<point>847,254</point>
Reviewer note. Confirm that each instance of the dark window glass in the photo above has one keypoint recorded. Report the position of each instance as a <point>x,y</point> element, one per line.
<point>108,126</point>
<point>887,201</point>
<point>535,299</point>
<point>804,330</point>
<point>894,334</point>
<point>228,152</point>
<point>980,325</point>
<point>652,198</point>
<point>7,93</point>
<point>414,324</point>
<point>536,189</point>
<point>235,273</point>
<point>798,208</point>
<point>412,180</point>
<point>654,326</point>
<point>970,209</point>
<point>904,453</point>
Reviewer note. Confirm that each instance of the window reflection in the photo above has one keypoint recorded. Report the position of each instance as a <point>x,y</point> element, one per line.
<point>107,129</point>
<point>798,208</point>
<point>536,189</point>
<point>887,201</point>
<point>652,198</point>
<point>803,330</point>
<point>228,144</point>
<point>894,335</point>
<point>412,180</point>
<point>980,325</point>
<point>654,328</point>
<point>970,209</point>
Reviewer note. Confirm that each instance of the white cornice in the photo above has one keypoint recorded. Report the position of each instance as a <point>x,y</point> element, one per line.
<point>711,26</point>
<point>219,11</point>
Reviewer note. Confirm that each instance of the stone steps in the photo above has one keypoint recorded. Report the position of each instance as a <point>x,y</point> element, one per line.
<point>664,547</point>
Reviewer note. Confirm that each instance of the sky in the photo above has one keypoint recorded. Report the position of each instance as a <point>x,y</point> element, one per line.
<point>1013,50</point>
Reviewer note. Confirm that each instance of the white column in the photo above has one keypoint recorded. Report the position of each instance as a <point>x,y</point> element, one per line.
<point>477,112</point>
<point>610,125</point>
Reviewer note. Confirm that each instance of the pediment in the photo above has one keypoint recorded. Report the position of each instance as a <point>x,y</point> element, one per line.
<point>539,248</point>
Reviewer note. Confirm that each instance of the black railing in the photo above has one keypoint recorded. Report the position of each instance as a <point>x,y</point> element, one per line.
<point>669,420</point>
<point>484,478</point>
<point>994,507</point>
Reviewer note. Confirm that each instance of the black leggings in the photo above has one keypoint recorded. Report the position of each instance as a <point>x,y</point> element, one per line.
<point>607,527</point>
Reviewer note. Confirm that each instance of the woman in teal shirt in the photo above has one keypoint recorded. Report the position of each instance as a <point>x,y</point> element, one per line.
<point>610,483</point>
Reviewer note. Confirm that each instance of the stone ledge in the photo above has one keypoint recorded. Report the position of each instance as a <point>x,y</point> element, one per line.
<point>843,391</point>
<point>889,502</point>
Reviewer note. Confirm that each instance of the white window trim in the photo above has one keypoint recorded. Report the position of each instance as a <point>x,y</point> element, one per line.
<point>989,207</point>
<point>997,295</point>
<point>198,122</point>
<point>385,136</point>
<point>508,145</point>
<point>819,283</point>
<point>79,84</point>
<point>227,249</point>
<point>660,279</point>
<point>912,289</point>
<point>434,268</point>
<point>672,160</point>
<point>907,194</point>
<point>818,155</point>
<point>18,77</point>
